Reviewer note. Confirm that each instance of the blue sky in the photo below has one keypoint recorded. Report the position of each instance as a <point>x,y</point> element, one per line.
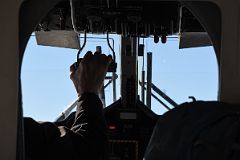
<point>47,89</point>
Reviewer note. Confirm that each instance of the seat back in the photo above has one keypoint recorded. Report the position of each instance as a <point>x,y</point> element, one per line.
<point>197,130</point>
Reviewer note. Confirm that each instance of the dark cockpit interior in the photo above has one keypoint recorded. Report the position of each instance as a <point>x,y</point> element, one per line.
<point>130,122</point>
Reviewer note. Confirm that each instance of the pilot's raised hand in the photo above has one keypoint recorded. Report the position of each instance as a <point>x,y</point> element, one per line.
<point>90,73</point>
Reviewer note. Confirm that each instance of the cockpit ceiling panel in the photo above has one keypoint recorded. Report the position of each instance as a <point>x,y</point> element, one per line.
<point>128,18</point>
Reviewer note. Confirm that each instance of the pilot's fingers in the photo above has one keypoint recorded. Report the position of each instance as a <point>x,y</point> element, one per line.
<point>104,60</point>
<point>88,56</point>
<point>109,58</point>
<point>97,53</point>
<point>97,56</point>
<point>72,67</point>
<point>72,71</point>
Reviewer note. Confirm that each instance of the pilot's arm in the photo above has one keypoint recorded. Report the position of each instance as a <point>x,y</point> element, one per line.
<point>86,138</point>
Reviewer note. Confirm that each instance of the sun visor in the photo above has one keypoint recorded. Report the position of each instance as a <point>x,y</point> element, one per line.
<point>194,39</point>
<point>58,38</point>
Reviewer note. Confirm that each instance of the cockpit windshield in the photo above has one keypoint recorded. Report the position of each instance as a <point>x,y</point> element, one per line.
<point>179,73</point>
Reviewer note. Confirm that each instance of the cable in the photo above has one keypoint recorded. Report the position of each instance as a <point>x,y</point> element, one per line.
<point>110,46</point>
<point>180,20</point>
<point>75,29</point>
<point>73,17</point>
<point>84,43</point>
<point>143,55</point>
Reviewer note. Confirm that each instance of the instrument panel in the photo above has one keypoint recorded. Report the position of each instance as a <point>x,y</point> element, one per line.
<point>129,130</point>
